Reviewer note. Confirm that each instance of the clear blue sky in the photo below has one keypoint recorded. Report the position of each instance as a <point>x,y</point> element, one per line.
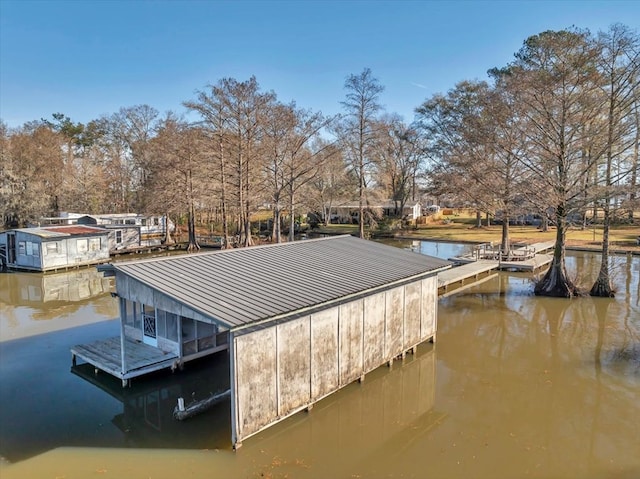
<point>87,58</point>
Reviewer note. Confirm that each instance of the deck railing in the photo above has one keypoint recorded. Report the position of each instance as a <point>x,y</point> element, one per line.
<point>488,251</point>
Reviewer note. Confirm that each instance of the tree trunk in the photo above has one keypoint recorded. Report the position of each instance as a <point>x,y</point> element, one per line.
<point>505,244</point>
<point>276,235</point>
<point>555,282</point>
<point>292,217</point>
<point>633,196</point>
<point>248,241</point>
<point>226,241</point>
<point>361,203</point>
<point>327,213</point>
<point>478,219</point>
<point>602,286</point>
<point>544,222</point>
<point>191,224</point>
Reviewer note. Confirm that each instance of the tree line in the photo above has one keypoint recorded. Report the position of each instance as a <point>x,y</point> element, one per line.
<point>554,132</point>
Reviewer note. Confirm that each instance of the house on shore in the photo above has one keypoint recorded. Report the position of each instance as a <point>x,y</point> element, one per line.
<point>127,231</point>
<point>348,212</point>
<point>301,320</point>
<point>150,226</point>
<point>121,237</point>
<point>51,248</point>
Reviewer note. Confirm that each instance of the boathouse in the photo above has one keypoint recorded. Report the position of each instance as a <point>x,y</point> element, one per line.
<point>50,248</point>
<point>301,320</point>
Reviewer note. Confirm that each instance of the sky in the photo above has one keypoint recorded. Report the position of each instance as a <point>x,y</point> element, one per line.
<point>89,58</point>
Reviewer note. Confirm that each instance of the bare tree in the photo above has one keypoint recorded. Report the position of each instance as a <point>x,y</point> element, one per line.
<point>398,156</point>
<point>177,174</point>
<point>127,136</point>
<point>357,130</point>
<point>305,157</point>
<point>278,130</point>
<point>473,149</point>
<point>215,122</point>
<point>619,65</point>
<point>634,194</point>
<point>330,183</point>
<point>242,107</point>
<point>554,81</point>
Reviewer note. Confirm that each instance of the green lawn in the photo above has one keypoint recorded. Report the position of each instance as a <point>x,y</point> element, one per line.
<point>462,230</point>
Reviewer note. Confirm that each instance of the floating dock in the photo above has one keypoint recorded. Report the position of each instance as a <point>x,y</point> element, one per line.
<point>485,261</point>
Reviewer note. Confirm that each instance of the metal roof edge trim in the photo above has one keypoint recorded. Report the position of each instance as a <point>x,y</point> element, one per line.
<point>338,301</point>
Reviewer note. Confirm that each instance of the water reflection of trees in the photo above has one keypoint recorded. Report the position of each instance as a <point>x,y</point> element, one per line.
<point>553,372</point>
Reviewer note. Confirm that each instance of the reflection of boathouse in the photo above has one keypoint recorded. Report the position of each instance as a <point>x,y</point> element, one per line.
<point>147,418</point>
<point>301,319</point>
<point>389,409</point>
<point>59,289</point>
<point>392,406</point>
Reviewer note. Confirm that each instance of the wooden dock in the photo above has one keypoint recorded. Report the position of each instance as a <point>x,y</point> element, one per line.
<point>461,277</point>
<point>140,358</point>
<point>472,269</point>
<point>521,258</point>
<point>148,249</point>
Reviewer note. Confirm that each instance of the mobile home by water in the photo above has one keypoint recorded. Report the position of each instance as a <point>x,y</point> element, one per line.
<point>53,247</point>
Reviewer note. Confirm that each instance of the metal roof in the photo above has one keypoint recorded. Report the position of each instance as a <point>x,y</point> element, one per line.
<point>62,231</point>
<point>75,230</point>
<point>242,286</point>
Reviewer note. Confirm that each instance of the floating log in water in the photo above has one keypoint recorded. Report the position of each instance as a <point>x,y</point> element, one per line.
<point>181,412</point>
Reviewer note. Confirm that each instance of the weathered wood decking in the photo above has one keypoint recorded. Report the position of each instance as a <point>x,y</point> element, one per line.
<point>140,358</point>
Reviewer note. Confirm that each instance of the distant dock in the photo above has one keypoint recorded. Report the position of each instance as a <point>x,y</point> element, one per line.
<point>485,262</point>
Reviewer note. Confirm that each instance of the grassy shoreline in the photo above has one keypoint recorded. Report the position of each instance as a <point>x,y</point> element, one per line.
<point>622,239</point>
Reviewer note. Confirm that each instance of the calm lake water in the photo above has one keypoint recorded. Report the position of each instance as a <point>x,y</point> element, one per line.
<point>516,386</point>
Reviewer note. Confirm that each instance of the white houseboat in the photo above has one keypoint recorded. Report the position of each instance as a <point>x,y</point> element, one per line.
<point>53,247</point>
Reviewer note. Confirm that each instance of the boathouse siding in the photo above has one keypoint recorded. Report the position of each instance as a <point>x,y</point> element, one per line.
<point>301,319</point>
<point>285,368</point>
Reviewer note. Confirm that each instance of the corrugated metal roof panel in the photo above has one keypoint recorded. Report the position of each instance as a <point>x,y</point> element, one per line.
<point>241,286</point>
<point>62,231</point>
<point>75,230</point>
